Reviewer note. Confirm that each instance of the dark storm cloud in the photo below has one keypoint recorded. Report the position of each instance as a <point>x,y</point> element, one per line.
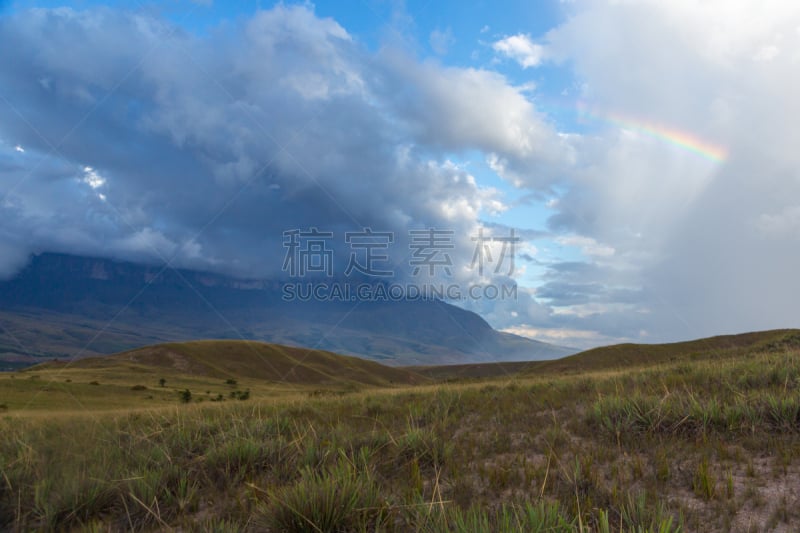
<point>207,148</point>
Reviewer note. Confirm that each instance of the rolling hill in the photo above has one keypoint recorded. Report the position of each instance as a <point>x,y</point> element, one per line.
<point>227,359</point>
<point>651,448</point>
<point>621,356</point>
<point>624,356</point>
<point>476,371</point>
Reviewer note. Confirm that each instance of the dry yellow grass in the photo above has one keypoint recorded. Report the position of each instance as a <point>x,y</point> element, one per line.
<point>697,444</point>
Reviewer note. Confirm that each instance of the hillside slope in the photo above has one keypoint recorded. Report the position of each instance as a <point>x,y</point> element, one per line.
<point>226,359</point>
<point>621,356</point>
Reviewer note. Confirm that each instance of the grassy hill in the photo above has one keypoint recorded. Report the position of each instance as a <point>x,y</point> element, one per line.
<point>695,436</point>
<point>472,371</point>
<point>621,356</point>
<point>225,359</point>
<point>214,370</point>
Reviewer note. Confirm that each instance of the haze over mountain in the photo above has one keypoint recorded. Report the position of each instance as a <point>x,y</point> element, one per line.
<point>72,306</point>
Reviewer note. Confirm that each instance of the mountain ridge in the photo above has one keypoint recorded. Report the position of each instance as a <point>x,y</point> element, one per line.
<point>72,306</point>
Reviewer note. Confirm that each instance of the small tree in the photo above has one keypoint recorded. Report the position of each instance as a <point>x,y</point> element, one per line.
<point>186,396</point>
<point>162,382</point>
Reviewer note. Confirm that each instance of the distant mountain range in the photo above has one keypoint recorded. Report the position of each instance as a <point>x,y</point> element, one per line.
<point>63,306</point>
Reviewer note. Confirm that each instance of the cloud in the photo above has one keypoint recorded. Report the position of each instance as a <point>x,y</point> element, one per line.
<point>209,147</point>
<point>92,178</point>
<point>700,247</point>
<point>574,338</point>
<point>438,106</point>
<point>521,49</point>
<point>587,245</point>
<point>441,40</point>
<point>146,142</point>
<point>784,224</point>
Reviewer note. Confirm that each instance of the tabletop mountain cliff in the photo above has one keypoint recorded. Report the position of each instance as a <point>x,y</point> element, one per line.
<point>71,306</point>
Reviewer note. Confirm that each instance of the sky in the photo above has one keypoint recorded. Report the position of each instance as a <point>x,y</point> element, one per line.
<point>643,152</point>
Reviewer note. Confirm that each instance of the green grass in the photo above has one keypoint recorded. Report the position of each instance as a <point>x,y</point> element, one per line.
<point>710,444</point>
<point>343,497</point>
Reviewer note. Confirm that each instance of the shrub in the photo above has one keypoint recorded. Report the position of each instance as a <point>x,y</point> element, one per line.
<point>340,499</point>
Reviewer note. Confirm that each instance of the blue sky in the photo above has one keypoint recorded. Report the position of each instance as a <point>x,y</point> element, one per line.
<point>644,149</point>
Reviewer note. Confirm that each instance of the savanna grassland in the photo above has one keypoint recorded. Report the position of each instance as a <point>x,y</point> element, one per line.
<point>704,437</point>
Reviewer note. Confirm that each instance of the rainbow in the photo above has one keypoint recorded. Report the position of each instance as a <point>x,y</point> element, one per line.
<point>685,140</point>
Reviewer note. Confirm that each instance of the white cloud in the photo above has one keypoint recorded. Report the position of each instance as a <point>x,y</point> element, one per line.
<point>587,245</point>
<point>575,338</point>
<point>521,49</point>
<point>675,244</point>
<point>281,120</point>
<point>784,224</point>
<point>441,40</point>
<point>445,112</point>
<point>706,242</point>
<point>92,178</point>
<point>767,53</point>
<point>147,241</point>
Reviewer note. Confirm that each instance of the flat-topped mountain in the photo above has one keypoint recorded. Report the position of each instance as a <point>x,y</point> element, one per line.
<point>68,306</point>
